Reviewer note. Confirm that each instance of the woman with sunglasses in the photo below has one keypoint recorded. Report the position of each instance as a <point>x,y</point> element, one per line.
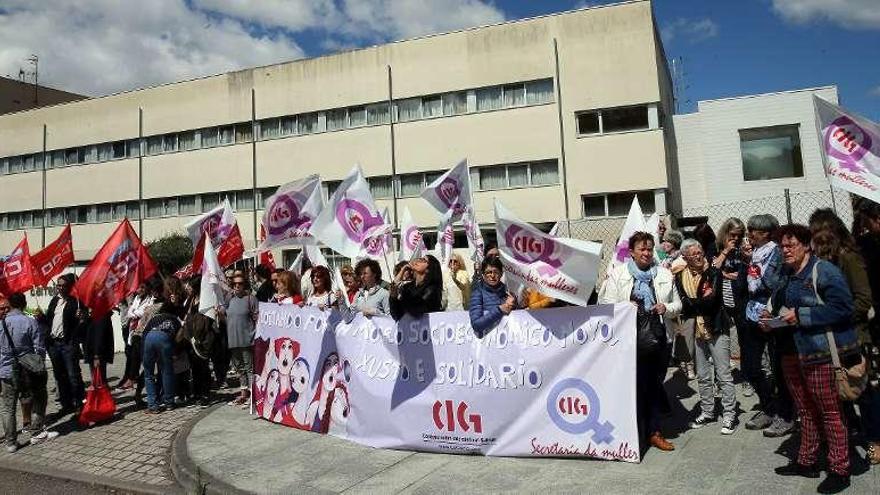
<point>322,296</point>
<point>490,300</point>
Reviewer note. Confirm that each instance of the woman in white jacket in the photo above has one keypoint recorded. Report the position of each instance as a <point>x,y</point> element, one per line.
<point>651,288</point>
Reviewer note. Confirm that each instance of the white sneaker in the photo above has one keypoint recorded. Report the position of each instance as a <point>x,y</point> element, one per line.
<point>12,448</point>
<point>44,436</point>
<point>728,426</point>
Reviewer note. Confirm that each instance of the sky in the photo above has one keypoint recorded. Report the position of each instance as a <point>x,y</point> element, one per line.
<point>725,47</point>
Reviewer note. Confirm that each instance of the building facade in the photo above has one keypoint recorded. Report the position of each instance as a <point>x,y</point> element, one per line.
<point>735,153</point>
<point>16,95</point>
<point>562,116</point>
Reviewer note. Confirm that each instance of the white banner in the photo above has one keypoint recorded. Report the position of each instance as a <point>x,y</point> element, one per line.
<point>565,269</point>
<point>851,145</point>
<point>351,217</point>
<point>412,245</point>
<point>548,383</point>
<point>290,212</point>
<point>217,223</point>
<point>450,193</point>
<point>213,283</point>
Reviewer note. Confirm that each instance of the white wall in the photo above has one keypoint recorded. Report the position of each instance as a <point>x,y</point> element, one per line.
<point>709,156</point>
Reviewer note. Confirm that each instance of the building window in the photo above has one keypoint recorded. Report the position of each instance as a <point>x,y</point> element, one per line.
<point>244,200</point>
<point>381,187</point>
<point>227,134</point>
<point>155,208</point>
<point>186,205</point>
<point>357,116</point>
<point>771,152</point>
<point>308,123</point>
<point>488,98</point>
<point>377,114</point>
<point>269,128</point>
<point>514,95</point>
<point>170,143</point>
<point>515,175</point>
<point>189,140</point>
<point>432,106</point>
<point>288,126</point>
<point>544,173</point>
<point>493,178</point>
<point>57,216</point>
<point>455,103</point>
<point>90,154</point>
<point>538,92</point>
<point>210,201</point>
<point>329,187</point>
<point>617,204</point>
<point>588,123</point>
<point>266,193</point>
<point>118,149</point>
<point>518,175</point>
<point>57,159</point>
<point>409,109</point>
<point>210,138</point>
<point>411,184</point>
<point>244,133</point>
<point>134,148</point>
<point>104,213</point>
<point>105,152</point>
<point>78,215</point>
<point>154,145</point>
<point>625,119</point>
<point>336,119</point>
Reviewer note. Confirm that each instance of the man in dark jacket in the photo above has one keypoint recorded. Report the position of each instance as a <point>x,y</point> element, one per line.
<point>64,322</point>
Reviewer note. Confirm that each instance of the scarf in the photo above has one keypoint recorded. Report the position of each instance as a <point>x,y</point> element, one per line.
<point>643,288</point>
<point>760,259</point>
<point>691,283</point>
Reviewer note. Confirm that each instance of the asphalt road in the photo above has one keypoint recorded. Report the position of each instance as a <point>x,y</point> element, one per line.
<point>18,482</point>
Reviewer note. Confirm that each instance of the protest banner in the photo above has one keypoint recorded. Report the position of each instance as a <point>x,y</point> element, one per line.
<point>16,270</point>
<point>564,269</point>
<point>290,212</point>
<point>450,193</point>
<point>555,382</point>
<point>53,259</point>
<point>851,147</point>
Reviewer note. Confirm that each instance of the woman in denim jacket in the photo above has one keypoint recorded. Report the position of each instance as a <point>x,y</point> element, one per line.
<point>808,312</point>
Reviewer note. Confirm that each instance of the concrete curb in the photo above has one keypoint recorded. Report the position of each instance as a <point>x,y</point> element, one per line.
<point>90,479</point>
<point>187,473</point>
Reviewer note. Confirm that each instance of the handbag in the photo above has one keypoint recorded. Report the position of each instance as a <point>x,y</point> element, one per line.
<point>851,381</point>
<point>650,332</point>
<point>29,361</point>
<point>99,405</point>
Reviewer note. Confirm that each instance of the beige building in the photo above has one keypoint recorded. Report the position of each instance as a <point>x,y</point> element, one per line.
<point>561,116</point>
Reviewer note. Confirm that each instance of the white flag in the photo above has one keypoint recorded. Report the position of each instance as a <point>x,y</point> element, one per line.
<point>315,256</point>
<point>213,283</point>
<point>412,245</point>
<point>340,285</point>
<point>473,234</point>
<point>564,269</point>
<point>445,241</point>
<point>297,265</point>
<point>350,218</point>
<point>635,222</point>
<point>450,193</point>
<point>851,145</point>
<point>218,223</point>
<point>379,246</point>
<point>290,212</point>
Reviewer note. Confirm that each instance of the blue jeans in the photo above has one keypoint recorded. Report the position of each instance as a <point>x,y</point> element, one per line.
<point>68,375</point>
<point>158,348</point>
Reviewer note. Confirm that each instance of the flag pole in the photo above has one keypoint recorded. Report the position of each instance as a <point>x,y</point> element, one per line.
<point>816,121</point>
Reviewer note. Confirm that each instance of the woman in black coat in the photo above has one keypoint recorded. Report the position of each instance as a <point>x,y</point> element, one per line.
<point>417,289</point>
<point>98,346</point>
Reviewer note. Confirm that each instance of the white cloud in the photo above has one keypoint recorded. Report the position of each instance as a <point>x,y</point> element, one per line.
<point>853,14</point>
<point>103,46</point>
<point>692,30</point>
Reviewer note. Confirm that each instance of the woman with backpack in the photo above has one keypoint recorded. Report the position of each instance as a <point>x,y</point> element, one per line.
<point>198,338</point>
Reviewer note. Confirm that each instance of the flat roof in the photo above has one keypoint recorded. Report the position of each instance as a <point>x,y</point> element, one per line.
<point>772,93</point>
<point>425,36</point>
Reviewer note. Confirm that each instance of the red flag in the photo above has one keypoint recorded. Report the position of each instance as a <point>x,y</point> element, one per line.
<point>121,265</point>
<point>266,257</point>
<point>16,271</point>
<point>53,259</point>
<point>230,250</point>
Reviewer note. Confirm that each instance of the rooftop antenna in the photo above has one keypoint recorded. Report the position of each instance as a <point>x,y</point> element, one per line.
<point>35,60</point>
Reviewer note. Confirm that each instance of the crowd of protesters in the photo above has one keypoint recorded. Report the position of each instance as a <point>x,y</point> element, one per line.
<point>797,301</point>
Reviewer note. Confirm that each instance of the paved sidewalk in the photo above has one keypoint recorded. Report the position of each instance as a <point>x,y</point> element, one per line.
<point>131,452</point>
<point>230,451</point>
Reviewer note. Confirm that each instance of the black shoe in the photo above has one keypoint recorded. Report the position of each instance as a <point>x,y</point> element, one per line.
<point>834,483</point>
<point>795,469</point>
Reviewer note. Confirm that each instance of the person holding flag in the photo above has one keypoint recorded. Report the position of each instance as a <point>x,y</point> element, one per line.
<point>66,318</point>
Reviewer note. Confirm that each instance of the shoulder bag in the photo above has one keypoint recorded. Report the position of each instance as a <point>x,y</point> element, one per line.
<point>30,361</point>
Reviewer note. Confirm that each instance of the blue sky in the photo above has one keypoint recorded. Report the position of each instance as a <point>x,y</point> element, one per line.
<point>728,47</point>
